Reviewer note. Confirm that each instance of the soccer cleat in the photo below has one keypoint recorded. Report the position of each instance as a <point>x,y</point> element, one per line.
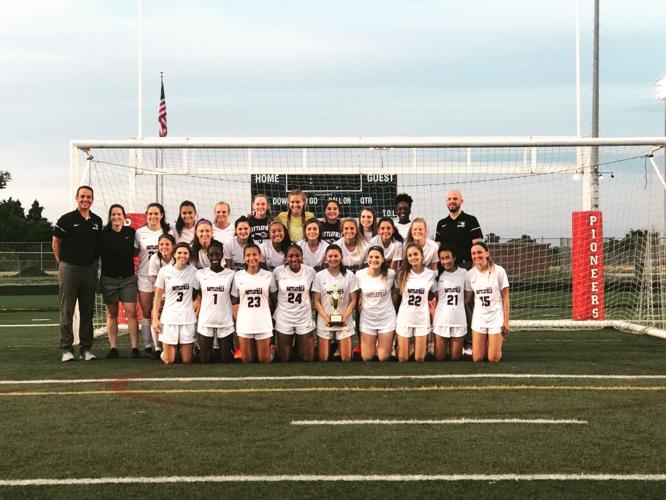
<point>467,351</point>
<point>157,354</point>
<point>135,353</point>
<point>113,353</point>
<point>67,356</point>
<point>237,354</point>
<point>88,356</point>
<point>148,351</point>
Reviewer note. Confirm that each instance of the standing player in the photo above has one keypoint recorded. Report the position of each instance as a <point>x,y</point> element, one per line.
<point>403,209</point>
<point>367,221</point>
<point>233,250</point>
<point>187,216</point>
<point>335,286</point>
<point>488,284</point>
<point>216,314</point>
<point>177,323</point>
<point>293,314</point>
<point>460,230</point>
<point>203,235</point>
<point>117,280</point>
<point>75,247</point>
<point>145,240</point>
<point>417,285</point>
<point>294,218</point>
<point>390,241</point>
<point>223,229</point>
<point>314,248</point>
<point>418,234</point>
<point>330,226</point>
<point>353,245</point>
<point>377,318</point>
<point>252,307</point>
<point>273,251</point>
<point>450,323</point>
<point>259,219</point>
<point>162,258</point>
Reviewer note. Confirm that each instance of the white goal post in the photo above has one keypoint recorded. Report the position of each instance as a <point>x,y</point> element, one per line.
<point>525,191</point>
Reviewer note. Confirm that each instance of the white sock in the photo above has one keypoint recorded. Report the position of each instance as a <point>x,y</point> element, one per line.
<point>146,334</point>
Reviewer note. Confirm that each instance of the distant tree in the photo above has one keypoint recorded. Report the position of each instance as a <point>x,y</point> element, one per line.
<point>493,238</point>
<point>525,238</point>
<point>35,212</point>
<point>16,226</point>
<point>5,177</point>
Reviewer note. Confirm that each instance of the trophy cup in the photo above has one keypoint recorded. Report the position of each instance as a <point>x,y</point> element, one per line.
<point>334,299</point>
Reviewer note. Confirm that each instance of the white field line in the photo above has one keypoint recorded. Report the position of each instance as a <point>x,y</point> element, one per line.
<point>329,478</point>
<point>41,325</point>
<point>454,376</point>
<point>448,421</point>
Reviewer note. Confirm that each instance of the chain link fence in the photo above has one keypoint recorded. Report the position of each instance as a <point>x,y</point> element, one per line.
<point>27,263</point>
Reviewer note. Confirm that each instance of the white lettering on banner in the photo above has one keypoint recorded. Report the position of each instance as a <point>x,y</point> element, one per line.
<point>593,220</point>
<point>595,313</point>
<point>380,178</point>
<point>594,270</point>
<point>267,178</point>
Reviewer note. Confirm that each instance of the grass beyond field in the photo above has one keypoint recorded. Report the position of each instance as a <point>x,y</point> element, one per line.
<point>561,403</point>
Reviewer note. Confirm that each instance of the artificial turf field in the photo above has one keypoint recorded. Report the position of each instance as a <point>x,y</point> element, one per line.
<point>207,423</point>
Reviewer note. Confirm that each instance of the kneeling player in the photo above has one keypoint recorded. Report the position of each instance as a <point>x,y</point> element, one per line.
<point>450,323</point>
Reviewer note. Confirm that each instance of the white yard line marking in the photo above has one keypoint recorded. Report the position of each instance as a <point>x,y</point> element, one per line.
<point>29,325</point>
<point>447,421</point>
<point>453,376</point>
<point>329,478</point>
<point>40,319</point>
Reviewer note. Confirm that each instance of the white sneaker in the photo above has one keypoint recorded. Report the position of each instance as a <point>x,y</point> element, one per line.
<point>467,351</point>
<point>67,356</point>
<point>88,356</point>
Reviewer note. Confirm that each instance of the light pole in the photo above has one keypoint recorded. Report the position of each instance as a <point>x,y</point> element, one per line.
<point>660,88</point>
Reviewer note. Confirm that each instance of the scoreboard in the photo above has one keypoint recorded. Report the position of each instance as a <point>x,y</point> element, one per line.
<point>351,191</point>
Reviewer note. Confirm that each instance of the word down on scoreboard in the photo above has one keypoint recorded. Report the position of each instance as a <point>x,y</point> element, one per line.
<point>351,191</point>
<point>587,265</point>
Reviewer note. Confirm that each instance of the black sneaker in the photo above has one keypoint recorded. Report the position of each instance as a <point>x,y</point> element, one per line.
<point>113,353</point>
<point>135,353</point>
<point>148,352</point>
<point>156,354</point>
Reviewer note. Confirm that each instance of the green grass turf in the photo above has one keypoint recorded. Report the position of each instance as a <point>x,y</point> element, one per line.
<point>28,302</point>
<point>125,434</point>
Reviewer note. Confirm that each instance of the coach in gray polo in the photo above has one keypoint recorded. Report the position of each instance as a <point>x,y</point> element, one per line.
<point>75,246</point>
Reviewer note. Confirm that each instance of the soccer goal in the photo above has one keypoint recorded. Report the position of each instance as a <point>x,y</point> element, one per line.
<point>577,223</point>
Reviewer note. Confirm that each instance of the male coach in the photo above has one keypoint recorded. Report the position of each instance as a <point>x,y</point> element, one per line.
<point>75,246</point>
<point>460,231</point>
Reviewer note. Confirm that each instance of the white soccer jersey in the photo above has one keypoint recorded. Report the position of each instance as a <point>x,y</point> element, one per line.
<point>270,256</point>
<point>294,307</point>
<point>203,261</point>
<point>403,229</point>
<point>413,312</point>
<point>254,313</point>
<point>376,298</point>
<point>185,236</point>
<point>392,252</point>
<point>450,309</point>
<point>487,287</point>
<point>324,284</point>
<point>367,235</point>
<point>216,309</point>
<point>353,260</point>
<point>145,241</point>
<point>429,252</point>
<point>314,259</point>
<point>178,288</point>
<point>156,263</point>
<point>223,235</point>
<point>233,250</point>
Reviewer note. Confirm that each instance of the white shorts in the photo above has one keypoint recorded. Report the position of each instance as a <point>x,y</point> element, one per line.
<point>488,331</point>
<point>339,334</point>
<point>256,336</point>
<point>453,332</point>
<point>211,331</point>
<point>145,284</point>
<point>373,328</point>
<point>177,334</point>
<point>376,331</point>
<point>411,331</point>
<point>295,329</point>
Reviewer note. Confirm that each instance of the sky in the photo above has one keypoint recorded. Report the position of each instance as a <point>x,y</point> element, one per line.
<point>312,68</point>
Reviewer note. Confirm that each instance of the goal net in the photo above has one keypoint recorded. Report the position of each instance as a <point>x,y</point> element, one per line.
<point>578,224</point>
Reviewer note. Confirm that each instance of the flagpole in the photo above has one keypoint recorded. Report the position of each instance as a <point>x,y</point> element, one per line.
<point>140,71</point>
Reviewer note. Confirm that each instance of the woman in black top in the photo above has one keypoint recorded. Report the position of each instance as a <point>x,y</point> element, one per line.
<point>118,281</point>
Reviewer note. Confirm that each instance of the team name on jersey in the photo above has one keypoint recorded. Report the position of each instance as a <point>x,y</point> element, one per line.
<point>296,288</point>
<point>186,286</point>
<point>254,291</point>
<point>215,288</point>
<point>415,290</point>
<point>379,293</point>
<point>454,289</point>
<point>485,290</point>
<point>330,234</point>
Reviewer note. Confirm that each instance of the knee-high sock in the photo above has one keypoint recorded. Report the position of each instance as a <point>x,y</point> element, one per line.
<point>146,333</point>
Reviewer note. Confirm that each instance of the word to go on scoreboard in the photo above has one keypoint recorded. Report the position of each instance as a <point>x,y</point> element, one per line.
<point>351,191</point>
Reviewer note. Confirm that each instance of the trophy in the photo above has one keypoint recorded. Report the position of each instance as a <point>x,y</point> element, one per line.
<point>334,299</point>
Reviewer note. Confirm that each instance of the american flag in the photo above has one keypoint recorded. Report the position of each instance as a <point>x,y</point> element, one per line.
<point>161,113</point>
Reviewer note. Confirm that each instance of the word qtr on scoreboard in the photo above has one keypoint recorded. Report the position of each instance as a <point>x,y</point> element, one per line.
<point>587,265</point>
<point>351,191</point>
